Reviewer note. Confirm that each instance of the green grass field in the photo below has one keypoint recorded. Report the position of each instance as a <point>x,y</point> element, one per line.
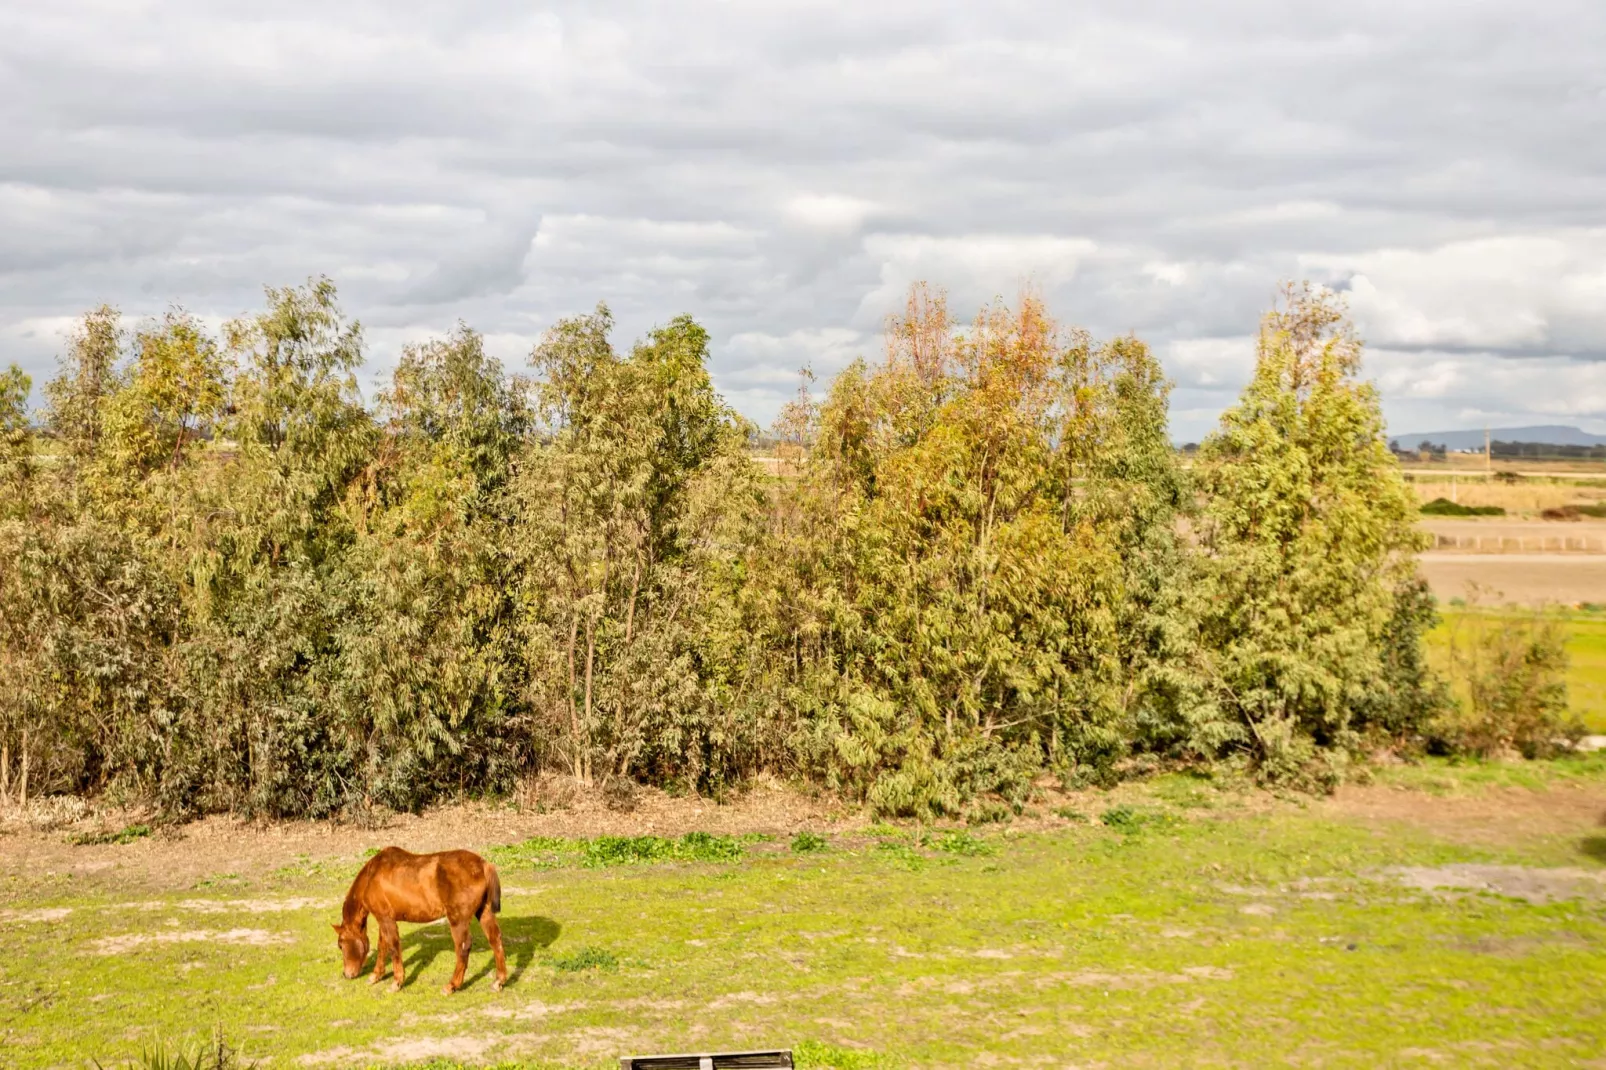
<point>1586,654</point>
<point>1183,926</point>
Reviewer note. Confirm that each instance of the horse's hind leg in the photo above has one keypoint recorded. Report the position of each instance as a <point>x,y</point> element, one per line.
<point>460,943</point>
<point>493,936</point>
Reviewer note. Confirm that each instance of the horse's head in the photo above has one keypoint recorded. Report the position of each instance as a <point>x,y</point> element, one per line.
<point>353,943</point>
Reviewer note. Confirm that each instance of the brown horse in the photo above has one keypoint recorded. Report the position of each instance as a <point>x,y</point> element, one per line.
<point>397,885</point>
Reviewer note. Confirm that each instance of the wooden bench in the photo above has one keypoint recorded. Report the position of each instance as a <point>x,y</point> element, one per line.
<point>724,1060</point>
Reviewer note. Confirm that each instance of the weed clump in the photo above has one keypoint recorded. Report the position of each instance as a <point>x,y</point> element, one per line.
<point>813,1055</point>
<point>808,843</point>
<point>545,852</point>
<point>212,1055</point>
<point>126,835</point>
<point>1130,820</point>
<point>586,958</point>
<point>962,843</point>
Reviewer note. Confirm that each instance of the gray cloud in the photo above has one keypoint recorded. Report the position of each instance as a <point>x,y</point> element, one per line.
<point>783,170</point>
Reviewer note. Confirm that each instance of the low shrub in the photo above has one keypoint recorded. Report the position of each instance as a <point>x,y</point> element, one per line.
<point>808,843</point>
<point>1445,507</point>
<point>1511,687</point>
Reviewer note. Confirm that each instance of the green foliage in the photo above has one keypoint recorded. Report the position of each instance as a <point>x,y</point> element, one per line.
<point>1445,507</point>
<point>545,852</point>
<point>16,441</point>
<point>235,586</point>
<point>1308,543</point>
<point>633,504</point>
<point>971,562</point>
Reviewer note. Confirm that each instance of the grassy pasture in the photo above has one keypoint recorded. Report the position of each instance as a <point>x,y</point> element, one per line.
<point>1171,923</point>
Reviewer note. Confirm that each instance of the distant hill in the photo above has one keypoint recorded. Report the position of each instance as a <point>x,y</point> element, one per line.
<point>1473,440</point>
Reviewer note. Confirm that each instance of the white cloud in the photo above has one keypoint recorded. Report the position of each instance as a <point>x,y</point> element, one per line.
<point>829,213</point>
<point>973,268</point>
<point>1519,292</point>
<point>784,170</point>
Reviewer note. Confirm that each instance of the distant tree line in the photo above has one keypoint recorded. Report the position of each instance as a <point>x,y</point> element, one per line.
<point>1546,450</point>
<point>229,584</point>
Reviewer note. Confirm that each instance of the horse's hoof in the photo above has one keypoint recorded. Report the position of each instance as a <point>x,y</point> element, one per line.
<point>395,986</point>
<point>373,980</point>
<point>496,986</point>
<point>447,990</point>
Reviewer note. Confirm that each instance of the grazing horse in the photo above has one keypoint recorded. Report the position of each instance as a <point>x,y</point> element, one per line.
<point>397,885</point>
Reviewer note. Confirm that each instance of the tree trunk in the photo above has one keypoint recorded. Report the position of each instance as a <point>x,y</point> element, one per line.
<point>591,653</point>
<point>574,713</point>
<point>630,613</point>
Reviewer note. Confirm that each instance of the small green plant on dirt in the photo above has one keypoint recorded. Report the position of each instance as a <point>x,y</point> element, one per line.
<point>127,834</point>
<point>901,852</point>
<point>1130,820</point>
<point>586,958</point>
<point>808,843</point>
<point>303,866</point>
<point>962,843</point>
<point>1069,813</point>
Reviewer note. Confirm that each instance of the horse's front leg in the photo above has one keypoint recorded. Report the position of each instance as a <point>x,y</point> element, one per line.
<point>390,936</point>
<point>380,955</point>
<point>460,942</point>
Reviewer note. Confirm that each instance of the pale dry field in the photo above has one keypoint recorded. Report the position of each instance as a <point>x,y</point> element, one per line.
<point>1520,498</point>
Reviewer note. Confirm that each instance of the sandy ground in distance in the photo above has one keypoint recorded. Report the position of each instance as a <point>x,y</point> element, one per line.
<point>223,845</point>
<point>181,856</point>
<point>1524,578</point>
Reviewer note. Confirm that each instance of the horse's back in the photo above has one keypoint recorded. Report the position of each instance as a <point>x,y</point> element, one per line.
<point>418,888</point>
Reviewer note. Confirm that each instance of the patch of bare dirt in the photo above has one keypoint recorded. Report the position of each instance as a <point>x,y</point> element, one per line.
<point>404,1051</point>
<point>48,914</point>
<point>222,845</point>
<point>1493,817</point>
<point>1538,885</point>
<point>1524,578</point>
<point>127,942</point>
<point>252,906</point>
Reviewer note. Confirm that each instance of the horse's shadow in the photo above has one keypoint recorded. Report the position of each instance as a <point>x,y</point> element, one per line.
<point>520,939</point>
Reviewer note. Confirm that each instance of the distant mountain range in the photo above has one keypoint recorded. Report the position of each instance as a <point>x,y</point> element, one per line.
<point>1470,440</point>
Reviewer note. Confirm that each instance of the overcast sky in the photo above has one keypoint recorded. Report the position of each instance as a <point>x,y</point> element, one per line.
<point>782,170</point>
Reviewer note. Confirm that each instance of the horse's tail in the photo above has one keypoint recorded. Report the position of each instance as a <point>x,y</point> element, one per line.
<point>495,889</point>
